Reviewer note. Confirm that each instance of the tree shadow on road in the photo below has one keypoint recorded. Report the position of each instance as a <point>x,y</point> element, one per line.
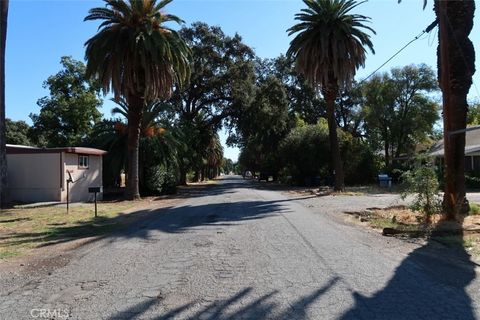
<point>245,304</point>
<point>430,283</point>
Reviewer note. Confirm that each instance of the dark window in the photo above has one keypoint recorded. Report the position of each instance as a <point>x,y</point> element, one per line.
<point>468,163</point>
<point>83,162</point>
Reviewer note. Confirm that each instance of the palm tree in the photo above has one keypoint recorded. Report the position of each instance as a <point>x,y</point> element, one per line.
<point>137,58</point>
<point>3,151</point>
<point>456,68</point>
<point>328,49</point>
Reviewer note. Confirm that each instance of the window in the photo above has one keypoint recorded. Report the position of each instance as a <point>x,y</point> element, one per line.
<point>83,162</point>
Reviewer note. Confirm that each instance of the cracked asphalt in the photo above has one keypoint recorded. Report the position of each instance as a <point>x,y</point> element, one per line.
<point>237,252</point>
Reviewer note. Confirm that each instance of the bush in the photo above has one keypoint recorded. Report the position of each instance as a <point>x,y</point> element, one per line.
<point>422,182</point>
<point>474,209</point>
<point>160,180</point>
<point>305,154</point>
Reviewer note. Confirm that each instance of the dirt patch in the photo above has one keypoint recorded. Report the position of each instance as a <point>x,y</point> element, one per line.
<point>402,222</point>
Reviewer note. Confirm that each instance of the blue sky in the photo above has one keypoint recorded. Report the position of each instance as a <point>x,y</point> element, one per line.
<point>40,32</point>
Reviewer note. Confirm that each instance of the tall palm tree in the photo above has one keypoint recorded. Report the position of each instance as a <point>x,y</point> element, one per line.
<point>136,57</point>
<point>328,48</point>
<point>3,151</point>
<point>456,57</point>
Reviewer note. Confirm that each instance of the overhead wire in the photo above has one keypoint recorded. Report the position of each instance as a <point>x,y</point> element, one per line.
<point>427,30</point>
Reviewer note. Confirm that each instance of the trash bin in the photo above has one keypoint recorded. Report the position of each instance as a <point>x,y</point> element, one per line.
<point>384,180</point>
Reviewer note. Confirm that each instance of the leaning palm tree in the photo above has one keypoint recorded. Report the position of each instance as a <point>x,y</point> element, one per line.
<point>328,48</point>
<point>137,58</point>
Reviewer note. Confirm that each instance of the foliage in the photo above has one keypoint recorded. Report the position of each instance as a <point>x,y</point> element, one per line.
<point>473,115</point>
<point>330,43</point>
<point>328,48</point>
<point>134,52</point>
<point>138,58</point>
<point>262,125</point>
<point>221,82</point>
<point>69,114</point>
<point>305,155</point>
<point>399,113</point>
<point>160,179</point>
<point>474,209</point>
<point>422,182</point>
<point>17,132</point>
<point>302,98</point>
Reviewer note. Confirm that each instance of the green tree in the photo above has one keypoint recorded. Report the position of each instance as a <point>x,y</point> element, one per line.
<point>473,115</point>
<point>68,115</point>
<point>137,57</point>
<point>261,126</point>
<point>399,112</point>
<point>222,81</point>
<point>328,49</point>
<point>3,150</point>
<point>17,132</point>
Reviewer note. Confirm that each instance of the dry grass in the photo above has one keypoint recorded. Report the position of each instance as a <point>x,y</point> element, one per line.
<point>22,229</point>
<point>410,223</point>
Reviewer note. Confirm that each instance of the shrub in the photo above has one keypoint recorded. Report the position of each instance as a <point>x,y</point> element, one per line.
<point>305,154</point>
<point>474,209</point>
<point>160,180</point>
<point>422,182</point>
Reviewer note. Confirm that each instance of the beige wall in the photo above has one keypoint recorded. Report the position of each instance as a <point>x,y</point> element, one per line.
<point>34,177</point>
<point>83,178</point>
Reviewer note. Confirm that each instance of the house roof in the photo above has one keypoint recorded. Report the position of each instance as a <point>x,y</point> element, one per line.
<point>472,143</point>
<point>18,149</point>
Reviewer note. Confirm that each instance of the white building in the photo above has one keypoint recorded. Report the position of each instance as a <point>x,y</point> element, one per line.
<point>42,174</point>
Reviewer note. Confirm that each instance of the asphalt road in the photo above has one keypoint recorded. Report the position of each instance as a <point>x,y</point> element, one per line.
<point>236,252</point>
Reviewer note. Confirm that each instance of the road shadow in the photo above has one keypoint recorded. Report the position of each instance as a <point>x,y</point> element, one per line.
<point>139,224</point>
<point>430,283</point>
<point>245,304</point>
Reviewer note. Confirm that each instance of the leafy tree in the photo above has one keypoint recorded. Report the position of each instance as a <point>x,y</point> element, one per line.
<point>328,49</point>
<point>68,115</point>
<point>302,98</point>
<point>349,111</point>
<point>17,132</point>
<point>305,155</point>
<point>262,125</point>
<point>222,81</point>
<point>473,115</point>
<point>399,113</point>
<point>137,57</point>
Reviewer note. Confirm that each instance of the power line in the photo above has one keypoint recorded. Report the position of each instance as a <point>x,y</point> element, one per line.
<point>427,30</point>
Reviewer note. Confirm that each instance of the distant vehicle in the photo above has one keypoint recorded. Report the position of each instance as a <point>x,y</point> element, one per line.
<point>247,175</point>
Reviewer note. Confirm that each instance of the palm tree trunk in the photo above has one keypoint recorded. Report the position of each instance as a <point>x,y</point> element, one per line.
<point>334,146</point>
<point>3,151</point>
<point>456,67</point>
<point>135,113</point>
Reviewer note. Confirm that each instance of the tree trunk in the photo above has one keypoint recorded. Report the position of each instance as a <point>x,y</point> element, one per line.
<point>3,150</point>
<point>337,165</point>
<point>456,59</point>
<point>135,113</point>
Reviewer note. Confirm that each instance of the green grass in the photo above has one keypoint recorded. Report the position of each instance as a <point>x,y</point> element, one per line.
<point>474,209</point>
<point>23,229</point>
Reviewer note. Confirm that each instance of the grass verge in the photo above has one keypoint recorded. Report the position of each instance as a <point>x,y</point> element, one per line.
<point>23,229</point>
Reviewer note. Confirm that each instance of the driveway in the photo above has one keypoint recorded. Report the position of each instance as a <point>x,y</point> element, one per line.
<point>236,252</point>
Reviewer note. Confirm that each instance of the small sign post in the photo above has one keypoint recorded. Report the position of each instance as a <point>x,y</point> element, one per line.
<point>95,190</point>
